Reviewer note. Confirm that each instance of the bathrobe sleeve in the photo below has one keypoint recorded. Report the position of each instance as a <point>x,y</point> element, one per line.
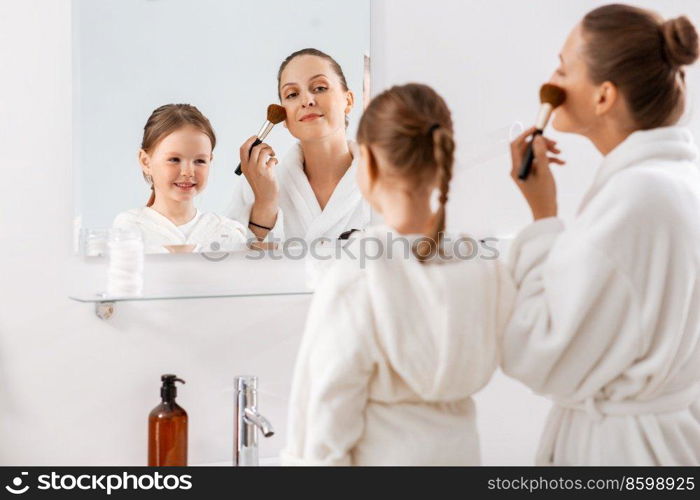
<point>576,321</point>
<point>241,205</point>
<point>331,379</point>
<point>505,298</point>
<point>154,236</point>
<point>126,221</point>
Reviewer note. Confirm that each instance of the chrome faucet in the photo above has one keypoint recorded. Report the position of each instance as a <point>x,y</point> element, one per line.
<point>247,421</point>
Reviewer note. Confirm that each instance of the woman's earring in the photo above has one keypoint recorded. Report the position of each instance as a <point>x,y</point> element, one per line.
<point>149,179</point>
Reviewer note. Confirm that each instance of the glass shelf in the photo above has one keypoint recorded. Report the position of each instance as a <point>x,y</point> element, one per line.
<point>104,304</point>
<point>105,298</point>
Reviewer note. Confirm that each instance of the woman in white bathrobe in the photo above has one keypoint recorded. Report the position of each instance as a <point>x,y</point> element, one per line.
<point>396,342</point>
<point>175,158</point>
<point>607,316</point>
<point>312,192</point>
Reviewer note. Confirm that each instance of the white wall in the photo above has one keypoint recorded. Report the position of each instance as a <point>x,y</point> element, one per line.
<point>77,390</point>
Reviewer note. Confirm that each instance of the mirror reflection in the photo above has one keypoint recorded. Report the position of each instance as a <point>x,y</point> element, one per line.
<point>162,120</point>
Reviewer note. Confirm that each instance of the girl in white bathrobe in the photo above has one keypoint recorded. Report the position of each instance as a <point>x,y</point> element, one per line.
<point>175,158</point>
<point>312,192</point>
<point>397,341</point>
<point>607,316</point>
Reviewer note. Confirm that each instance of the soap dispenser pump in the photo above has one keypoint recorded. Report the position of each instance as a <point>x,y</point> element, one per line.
<point>167,428</point>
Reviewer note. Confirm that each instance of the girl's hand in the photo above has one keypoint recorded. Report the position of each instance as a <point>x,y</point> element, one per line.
<point>539,189</point>
<point>258,168</point>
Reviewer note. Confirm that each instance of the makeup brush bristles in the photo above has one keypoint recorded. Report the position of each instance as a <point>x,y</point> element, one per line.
<point>276,113</point>
<point>551,94</point>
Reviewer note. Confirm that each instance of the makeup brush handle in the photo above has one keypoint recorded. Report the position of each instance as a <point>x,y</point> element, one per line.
<point>529,157</point>
<point>239,171</point>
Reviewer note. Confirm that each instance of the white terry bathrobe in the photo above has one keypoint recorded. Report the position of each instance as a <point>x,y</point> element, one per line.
<point>207,231</point>
<point>300,215</point>
<point>390,358</point>
<point>607,316</point>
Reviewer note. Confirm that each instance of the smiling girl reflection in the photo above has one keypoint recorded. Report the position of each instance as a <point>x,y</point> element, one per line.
<point>175,158</point>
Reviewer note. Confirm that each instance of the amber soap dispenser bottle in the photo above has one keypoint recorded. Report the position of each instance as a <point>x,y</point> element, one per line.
<point>167,428</point>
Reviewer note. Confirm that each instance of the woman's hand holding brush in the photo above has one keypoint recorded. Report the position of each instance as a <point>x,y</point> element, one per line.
<point>539,189</point>
<point>258,167</point>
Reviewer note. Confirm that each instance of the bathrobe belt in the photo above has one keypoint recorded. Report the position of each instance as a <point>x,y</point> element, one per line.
<point>667,403</point>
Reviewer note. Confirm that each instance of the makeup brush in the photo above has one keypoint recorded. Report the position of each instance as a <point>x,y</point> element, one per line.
<point>275,115</point>
<point>551,97</point>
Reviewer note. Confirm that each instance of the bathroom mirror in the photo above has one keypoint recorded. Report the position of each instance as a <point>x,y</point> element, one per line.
<point>132,56</point>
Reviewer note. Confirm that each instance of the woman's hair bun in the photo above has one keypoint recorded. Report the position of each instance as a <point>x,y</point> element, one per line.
<point>681,41</point>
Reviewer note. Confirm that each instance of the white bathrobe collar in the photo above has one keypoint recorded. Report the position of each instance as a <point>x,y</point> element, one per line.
<point>344,199</point>
<point>159,223</point>
<point>162,231</point>
<point>659,144</point>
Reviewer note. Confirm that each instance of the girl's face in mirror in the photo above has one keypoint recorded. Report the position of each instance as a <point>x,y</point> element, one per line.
<point>313,96</point>
<point>179,164</point>
<point>577,114</point>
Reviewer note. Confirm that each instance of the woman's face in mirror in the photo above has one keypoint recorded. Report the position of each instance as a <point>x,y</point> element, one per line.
<point>179,164</point>
<point>314,98</point>
<point>577,114</point>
